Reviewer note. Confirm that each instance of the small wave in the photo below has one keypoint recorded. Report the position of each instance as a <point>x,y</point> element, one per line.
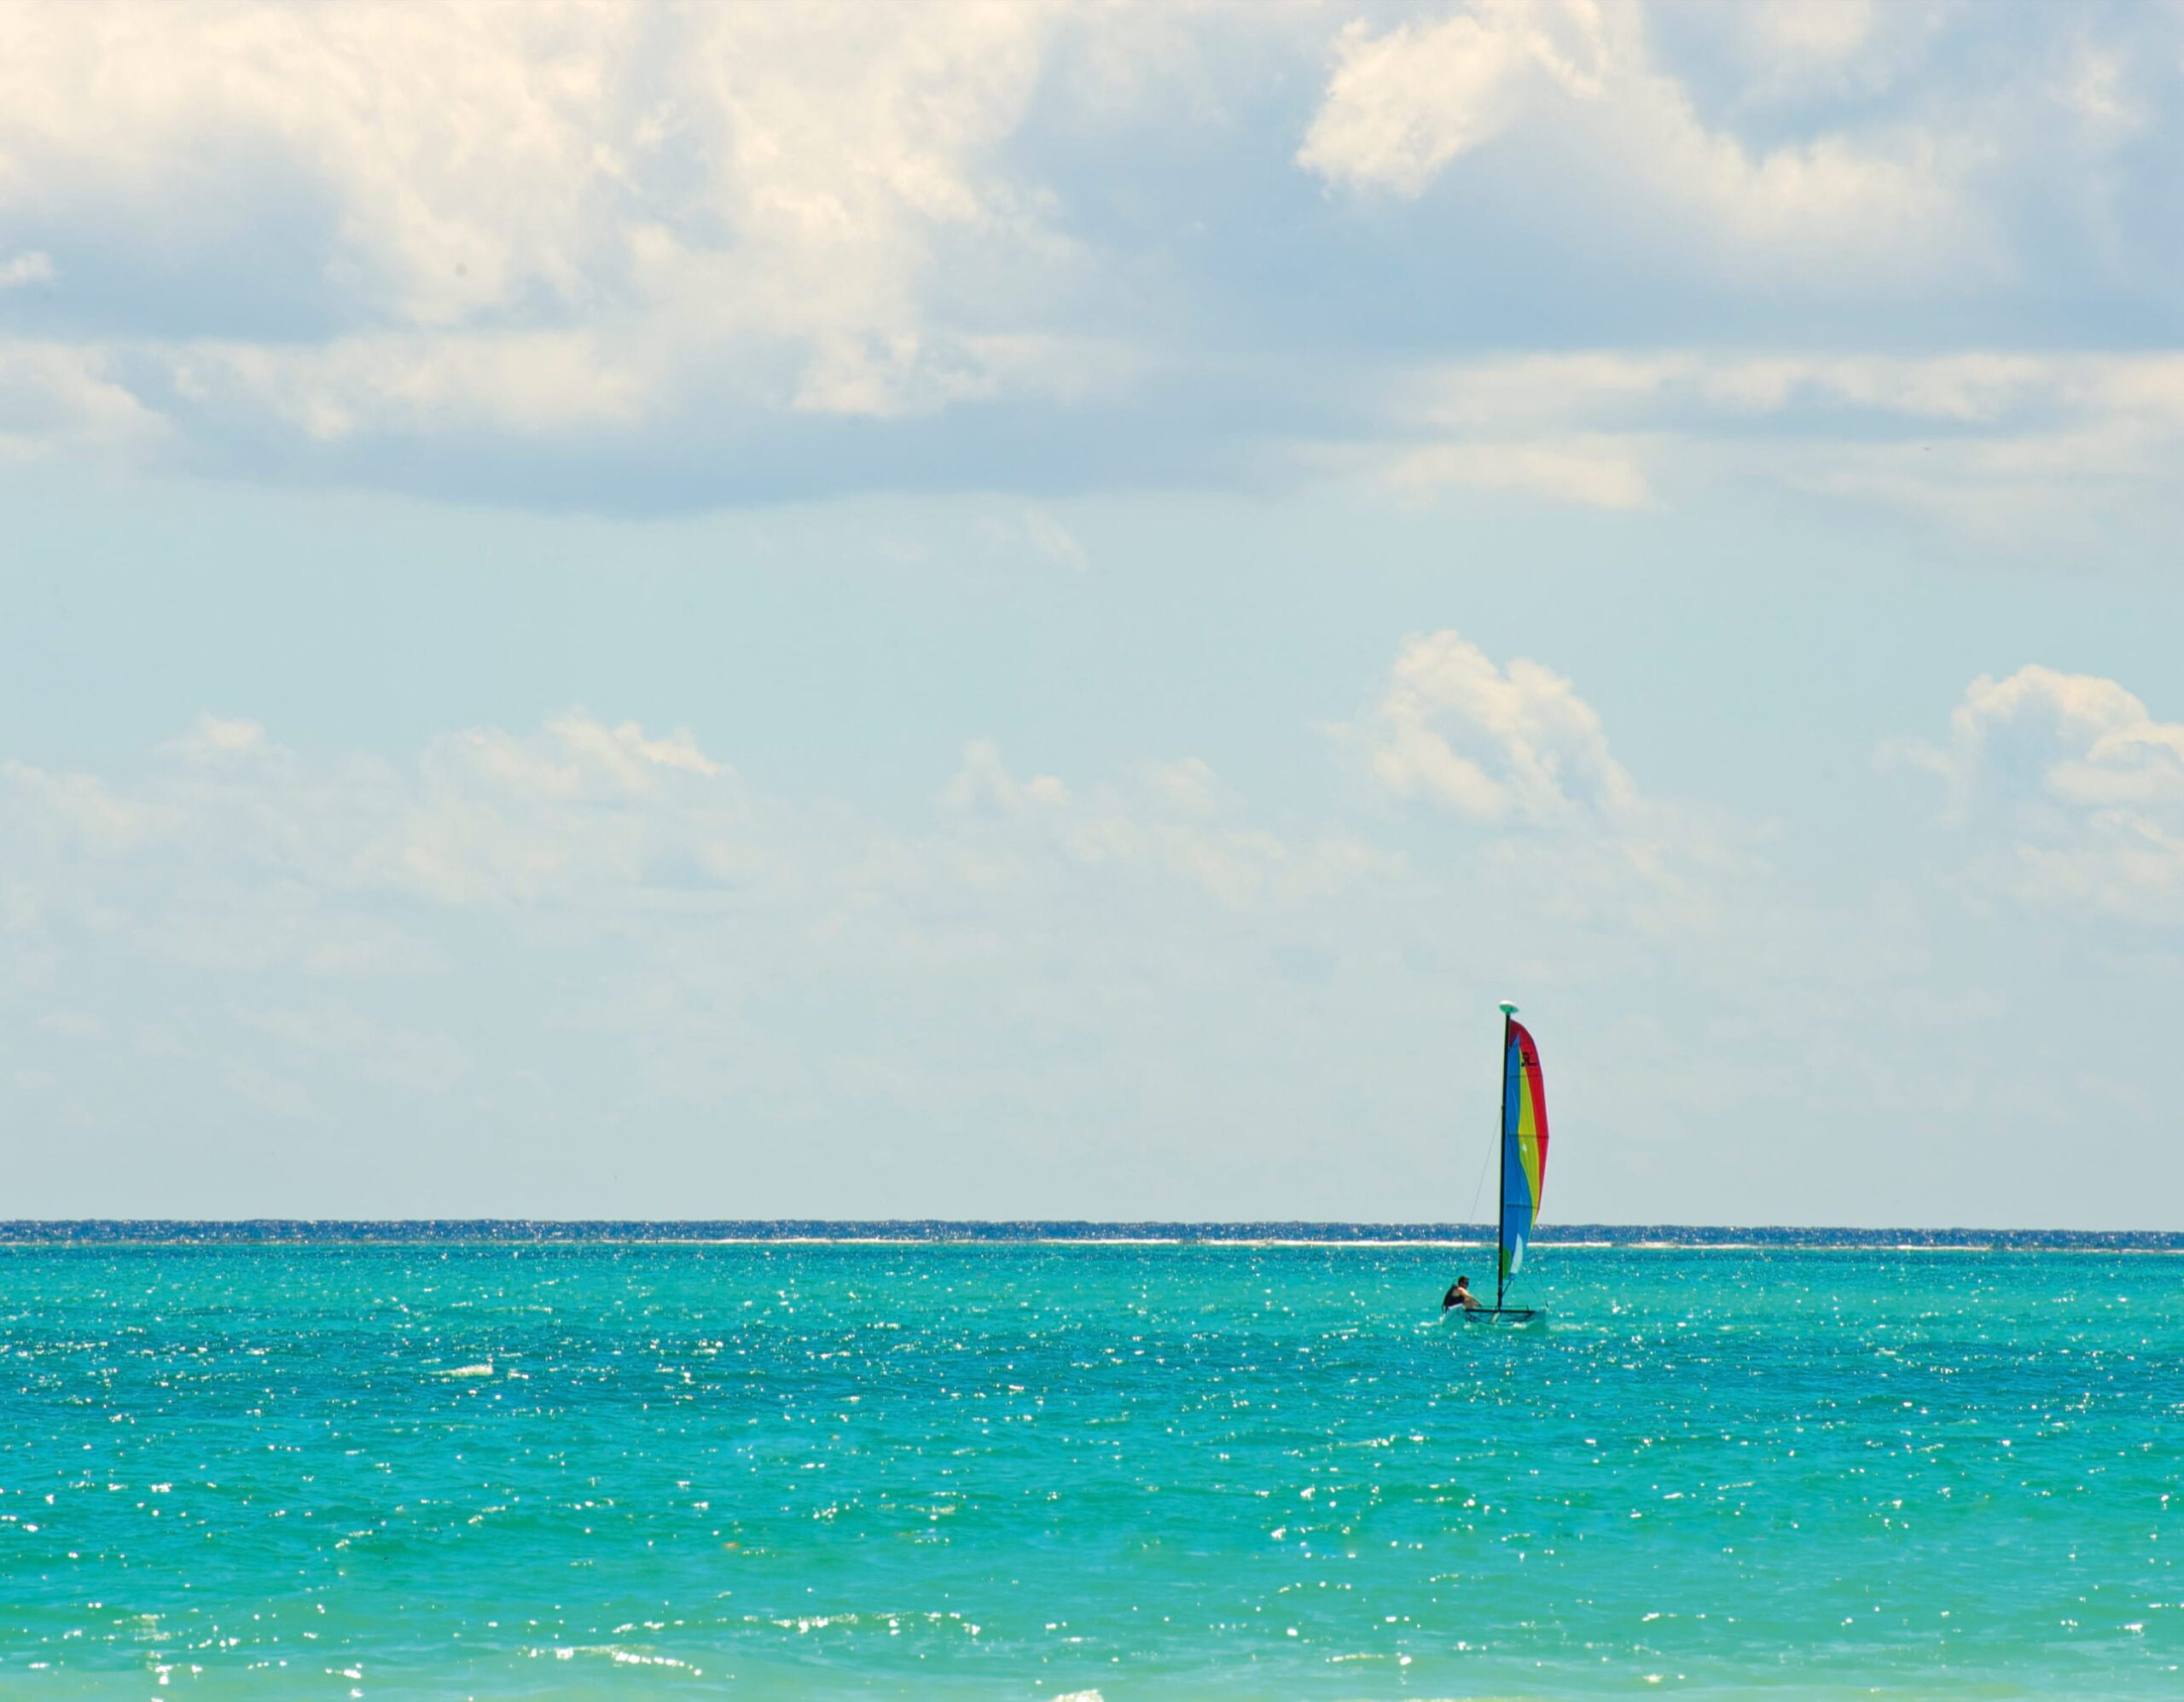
<point>616,1654</point>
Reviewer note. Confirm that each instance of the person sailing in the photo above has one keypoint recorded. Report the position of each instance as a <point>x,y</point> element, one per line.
<point>1460,1295</point>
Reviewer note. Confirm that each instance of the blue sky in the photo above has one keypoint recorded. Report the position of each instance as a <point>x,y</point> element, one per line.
<point>1033,610</point>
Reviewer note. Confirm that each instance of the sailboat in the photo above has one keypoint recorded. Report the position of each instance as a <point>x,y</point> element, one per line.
<point>1523,1165</point>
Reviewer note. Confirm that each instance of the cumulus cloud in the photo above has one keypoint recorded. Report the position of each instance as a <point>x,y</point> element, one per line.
<point>78,813</point>
<point>2074,791</point>
<point>1556,824</point>
<point>600,825</point>
<point>574,813</point>
<point>1403,106</point>
<point>663,257</point>
<point>235,854</point>
<point>528,221</point>
<point>1515,746</point>
<point>285,935</point>
<point>601,941</point>
<point>1831,153</point>
<point>777,169</point>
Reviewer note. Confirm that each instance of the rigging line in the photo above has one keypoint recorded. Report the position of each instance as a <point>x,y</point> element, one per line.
<point>1484,1165</point>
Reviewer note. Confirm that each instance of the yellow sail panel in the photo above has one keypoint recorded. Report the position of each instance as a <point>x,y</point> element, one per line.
<point>1524,1151</point>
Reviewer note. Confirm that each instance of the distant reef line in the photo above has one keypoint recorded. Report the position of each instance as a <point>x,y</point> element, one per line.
<point>519,1231</point>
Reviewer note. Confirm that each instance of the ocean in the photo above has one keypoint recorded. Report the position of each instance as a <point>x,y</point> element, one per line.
<point>440,1463</point>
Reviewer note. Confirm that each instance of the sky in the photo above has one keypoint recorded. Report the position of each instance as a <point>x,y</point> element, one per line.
<point>1033,610</point>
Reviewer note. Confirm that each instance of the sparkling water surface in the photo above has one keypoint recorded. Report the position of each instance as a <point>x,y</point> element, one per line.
<point>1023,1470</point>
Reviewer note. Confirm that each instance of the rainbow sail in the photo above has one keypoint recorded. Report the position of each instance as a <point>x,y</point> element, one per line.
<point>1524,1146</point>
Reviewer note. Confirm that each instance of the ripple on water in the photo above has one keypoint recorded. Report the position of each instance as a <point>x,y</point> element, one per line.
<point>1023,1469</point>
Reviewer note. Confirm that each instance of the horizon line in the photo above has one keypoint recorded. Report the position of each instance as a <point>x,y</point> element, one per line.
<point>31,1231</point>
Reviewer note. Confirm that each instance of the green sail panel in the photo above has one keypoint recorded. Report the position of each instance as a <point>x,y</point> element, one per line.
<point>1523,1146</point>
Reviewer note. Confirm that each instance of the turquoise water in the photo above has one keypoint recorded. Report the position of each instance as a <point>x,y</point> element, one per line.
<point>1016,1471</point>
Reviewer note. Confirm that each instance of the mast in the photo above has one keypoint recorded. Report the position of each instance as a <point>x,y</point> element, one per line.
<point>1502,1139</point>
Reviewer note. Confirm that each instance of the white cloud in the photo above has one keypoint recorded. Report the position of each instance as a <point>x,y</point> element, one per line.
<point>79,811</point>
<point>1515,746</point>
<point>1983,440</point>
<point>1403,106</point>
<point>403,1057</point>
<point>662,256</point>
<point>1560,829</point>
<point>575,757</point>
<point>600,944</point>
<point>1174,822</point>
<point>1035,530</point>
<point>222,739</point>
<point>32,266</point>
<point>629,917</point>
<point>578,813</point>
<point>1807,30</point>
<point>984,782</point>
<point>532,218</point>
<point>524,383</point>
<point>237,855</point>
<point>1968,388</point>
<point>339,864</point>
<point>783,161</point>
<point>1792,54</point>
<point>2075,791</point>
<point>575,813</point>
<point>56,397</point>
<point>1593,473</point>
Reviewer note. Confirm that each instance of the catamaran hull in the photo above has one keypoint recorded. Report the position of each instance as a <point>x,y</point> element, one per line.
<point>1496,1314</point>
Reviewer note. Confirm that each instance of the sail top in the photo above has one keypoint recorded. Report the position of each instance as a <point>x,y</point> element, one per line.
<point>1524,1150</point>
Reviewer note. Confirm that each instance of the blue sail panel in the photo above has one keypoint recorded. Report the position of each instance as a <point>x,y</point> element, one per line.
<point>1524,1146</point>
